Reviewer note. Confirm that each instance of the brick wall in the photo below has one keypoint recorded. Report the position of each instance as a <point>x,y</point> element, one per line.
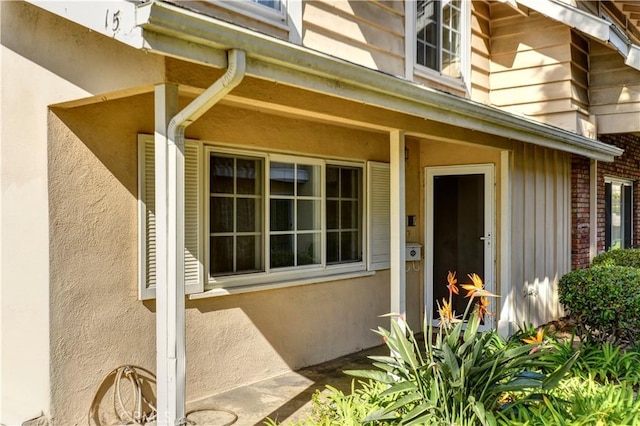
<point>627,166</point>
<point>579,212</point>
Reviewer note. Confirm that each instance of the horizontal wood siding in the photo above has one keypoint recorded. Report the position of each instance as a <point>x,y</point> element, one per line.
<point>369,33</point>
<point>480,51</point>
<point>540,246</point>
<point>614,92</point>
<point>539,68</point>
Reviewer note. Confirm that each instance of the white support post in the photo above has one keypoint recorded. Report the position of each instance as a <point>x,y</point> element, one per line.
<point>398,228</point>
<point>593,209</point>
<point>506,321</point>
<point>169,166</point>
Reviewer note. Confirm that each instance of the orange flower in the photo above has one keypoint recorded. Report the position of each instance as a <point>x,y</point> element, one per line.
<point>446,313</point>
<point>451,278</point>
<point>539,337</point>
<point>483,305</point>
<point>476,288</point>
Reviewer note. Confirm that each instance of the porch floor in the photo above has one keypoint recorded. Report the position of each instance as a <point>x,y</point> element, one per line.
<point>283,398</point>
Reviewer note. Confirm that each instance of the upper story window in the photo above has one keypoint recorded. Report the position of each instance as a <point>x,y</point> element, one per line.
<point>439,36</point>
<point>269,10</point>
<point>273,4</point>
<point>438,43</point>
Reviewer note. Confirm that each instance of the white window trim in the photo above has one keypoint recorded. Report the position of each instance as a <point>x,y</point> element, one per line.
<point>259,12</point>
<point>279,275</point>
<point>623,182</point>
<point>413,69</point>
<point>281,278</point>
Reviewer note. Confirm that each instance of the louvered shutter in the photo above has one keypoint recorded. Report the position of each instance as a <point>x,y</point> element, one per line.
<point>378,216</point>
<point>193,267</point>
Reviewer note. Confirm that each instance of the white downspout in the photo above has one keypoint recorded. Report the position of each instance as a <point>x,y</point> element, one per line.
<point>170,303</point>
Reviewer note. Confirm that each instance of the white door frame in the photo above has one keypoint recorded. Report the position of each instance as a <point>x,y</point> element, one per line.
<point>488,170</point>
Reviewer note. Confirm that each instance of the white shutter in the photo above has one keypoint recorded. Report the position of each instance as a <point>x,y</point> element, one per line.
<point>378,216</point>
<point>193,267</point>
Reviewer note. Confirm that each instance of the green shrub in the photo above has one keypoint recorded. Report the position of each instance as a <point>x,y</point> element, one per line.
<point>604,301</point>
<point>587,403</point>
<point>619,257</point>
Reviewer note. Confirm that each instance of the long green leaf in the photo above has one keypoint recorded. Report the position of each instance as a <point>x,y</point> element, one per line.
<point>554,378</point>
<point>405,386</point>
<point>518,384</point>
<point>414,416</point>
<point>403,346</point>
<point>379,376</point>
<point>379,416</point>
<point>403,401</point>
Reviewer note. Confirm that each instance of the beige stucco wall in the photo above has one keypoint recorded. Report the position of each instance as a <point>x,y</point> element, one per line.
<point>98,324</point>
<point>44,61</point>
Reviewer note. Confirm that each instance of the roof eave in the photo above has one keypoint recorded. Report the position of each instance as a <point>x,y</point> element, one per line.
<point>171,30</point>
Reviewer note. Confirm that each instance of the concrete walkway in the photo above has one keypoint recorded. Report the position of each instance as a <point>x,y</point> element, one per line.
<point>283,398</point>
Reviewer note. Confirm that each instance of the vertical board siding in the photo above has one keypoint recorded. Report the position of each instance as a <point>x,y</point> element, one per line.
<point>480,51</point>
<point>369,33</point>
<point>540,231</point>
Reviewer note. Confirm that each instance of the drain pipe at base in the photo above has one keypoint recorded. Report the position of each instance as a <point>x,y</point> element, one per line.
<point>170,294</point>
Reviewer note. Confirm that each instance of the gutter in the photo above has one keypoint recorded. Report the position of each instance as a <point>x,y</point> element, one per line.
<point>170,297</point>
<point>174,31</point>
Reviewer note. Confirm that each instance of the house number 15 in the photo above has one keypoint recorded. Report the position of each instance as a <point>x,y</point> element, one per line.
<point>112,20</point>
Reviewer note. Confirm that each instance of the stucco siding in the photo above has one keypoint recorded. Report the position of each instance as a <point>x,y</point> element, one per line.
<point>41,65</point>
<point>97,322</point>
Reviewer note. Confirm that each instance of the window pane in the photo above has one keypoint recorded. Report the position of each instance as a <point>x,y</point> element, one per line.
<point>248,219</point>
<point>221,257</point>
<point>350,244</point>
<point>333,181</point>
<point>249,173</point>
<point>333,247</point>
<point>349,215</point>
<point>308,215</point>
<point>309,249</point>
<point>221,214</point>
<point>246,254</point>
<point>221,172</point>
<point>273,4</point>
<point>281,178</point>
<point>281,215</point>
<point>308,180</point>
<point>281,251</point>
<point>344,218</point>
<point>231,214</point>
<point>616,216</point>
<point>349,186</point>
<point>427,33</point>
<point>333,214</point>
